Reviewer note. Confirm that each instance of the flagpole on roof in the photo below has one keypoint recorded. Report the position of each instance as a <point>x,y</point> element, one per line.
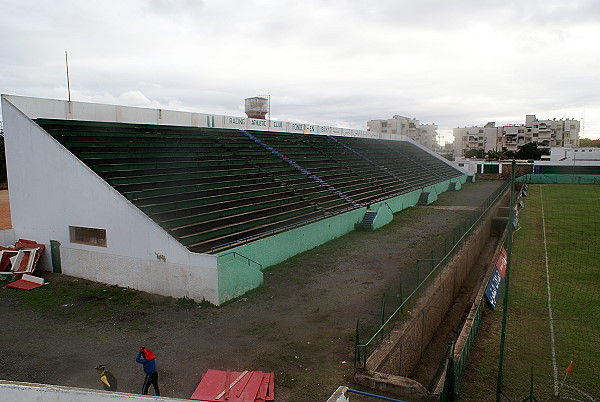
<point>68,80</point>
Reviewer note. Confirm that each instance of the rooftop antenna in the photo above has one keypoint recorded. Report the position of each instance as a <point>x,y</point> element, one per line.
<point>68,80</point>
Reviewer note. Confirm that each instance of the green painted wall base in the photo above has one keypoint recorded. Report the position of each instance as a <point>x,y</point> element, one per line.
<point>239,275</point>
<point>560,179</point>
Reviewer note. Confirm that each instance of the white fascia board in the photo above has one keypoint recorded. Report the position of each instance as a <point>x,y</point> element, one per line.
<point>35,108</point>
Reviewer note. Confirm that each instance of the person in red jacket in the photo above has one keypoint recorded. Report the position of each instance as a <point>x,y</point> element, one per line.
<point>148,359</point>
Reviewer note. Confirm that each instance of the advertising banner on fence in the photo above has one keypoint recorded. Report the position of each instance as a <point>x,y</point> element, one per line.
<point>492,291</point>
<point>501,263</point>
<point>495,283</point>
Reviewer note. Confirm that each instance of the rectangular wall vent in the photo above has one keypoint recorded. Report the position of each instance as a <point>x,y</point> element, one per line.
<point>89,236</point>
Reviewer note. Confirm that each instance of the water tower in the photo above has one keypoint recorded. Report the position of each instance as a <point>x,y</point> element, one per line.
<point>257,107</point>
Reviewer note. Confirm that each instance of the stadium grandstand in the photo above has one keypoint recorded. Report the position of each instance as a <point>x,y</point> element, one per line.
<point>194,205</point>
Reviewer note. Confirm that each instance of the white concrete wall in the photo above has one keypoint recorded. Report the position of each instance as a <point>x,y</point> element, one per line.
<point>50,190</point>
<point>153,276</point>
<point>7,237</point>
<point>12,391</point>
<point>577,154</point>
<point>567,163</point>
<point>466,165</point>
<point>59,109</point>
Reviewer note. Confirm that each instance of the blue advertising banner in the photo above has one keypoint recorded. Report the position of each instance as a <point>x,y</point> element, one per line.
<point>492,291</point>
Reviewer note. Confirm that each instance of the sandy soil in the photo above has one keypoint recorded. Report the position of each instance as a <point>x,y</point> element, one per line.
<point>5,222</point>
<point>300,324</point>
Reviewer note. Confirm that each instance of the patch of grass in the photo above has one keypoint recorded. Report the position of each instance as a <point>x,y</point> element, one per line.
<point>76,299</point>
<point>185,303</point>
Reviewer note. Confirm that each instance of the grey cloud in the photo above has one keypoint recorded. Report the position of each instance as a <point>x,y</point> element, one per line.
<point>339,62</point>
<point>173,7</point>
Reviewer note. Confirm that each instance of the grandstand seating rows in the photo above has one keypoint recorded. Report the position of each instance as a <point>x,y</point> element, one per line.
<point>213,188</point>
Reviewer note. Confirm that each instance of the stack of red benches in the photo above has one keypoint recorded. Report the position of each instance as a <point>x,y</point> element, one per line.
<point>233,386</point>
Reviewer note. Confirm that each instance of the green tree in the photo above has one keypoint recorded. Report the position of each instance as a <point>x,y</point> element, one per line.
<point>508,155</point>
<point>493,155</point>
<point>587,142</point>
<point>529,151</point>
<point>474,153</point>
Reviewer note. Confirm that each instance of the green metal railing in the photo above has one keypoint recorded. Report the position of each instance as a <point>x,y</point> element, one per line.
<point>463,357</point>
<point>425,273</point>
<point>232,255</point>
<point>459,361</point>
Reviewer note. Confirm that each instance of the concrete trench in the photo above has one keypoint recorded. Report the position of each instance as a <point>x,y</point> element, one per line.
<point>405,364</point>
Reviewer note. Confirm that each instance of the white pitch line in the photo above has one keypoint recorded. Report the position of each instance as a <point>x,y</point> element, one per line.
<point>591,398</point>
<point>549,300</point>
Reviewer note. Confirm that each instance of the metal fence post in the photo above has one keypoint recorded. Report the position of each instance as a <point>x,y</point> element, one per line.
<point>511,211</point>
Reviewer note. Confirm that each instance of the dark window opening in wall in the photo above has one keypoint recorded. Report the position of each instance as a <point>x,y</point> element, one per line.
<point>89,236</point>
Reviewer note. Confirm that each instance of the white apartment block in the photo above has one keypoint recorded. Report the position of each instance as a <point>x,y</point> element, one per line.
<point>424,134</point>
<point>545,133</point>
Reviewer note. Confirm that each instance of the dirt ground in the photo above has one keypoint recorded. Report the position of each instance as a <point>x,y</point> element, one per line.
<point>5,222</point>
<point>300,324</point>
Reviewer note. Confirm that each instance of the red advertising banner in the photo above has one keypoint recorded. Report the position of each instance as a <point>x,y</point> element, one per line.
<point>501,263</point>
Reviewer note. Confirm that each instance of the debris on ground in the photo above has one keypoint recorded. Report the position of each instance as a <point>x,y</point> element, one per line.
<point>27,282</point>
<point>233,386</point>
<point>20,260</point>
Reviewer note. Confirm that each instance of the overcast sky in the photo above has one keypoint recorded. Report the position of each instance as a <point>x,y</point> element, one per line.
<point>329,62</point>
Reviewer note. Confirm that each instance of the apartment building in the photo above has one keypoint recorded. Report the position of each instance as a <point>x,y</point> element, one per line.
<point>545,133</point>
<point>424,134</point>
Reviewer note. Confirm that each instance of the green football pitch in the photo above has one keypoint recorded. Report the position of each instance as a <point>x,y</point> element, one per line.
<point>553,303</point>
